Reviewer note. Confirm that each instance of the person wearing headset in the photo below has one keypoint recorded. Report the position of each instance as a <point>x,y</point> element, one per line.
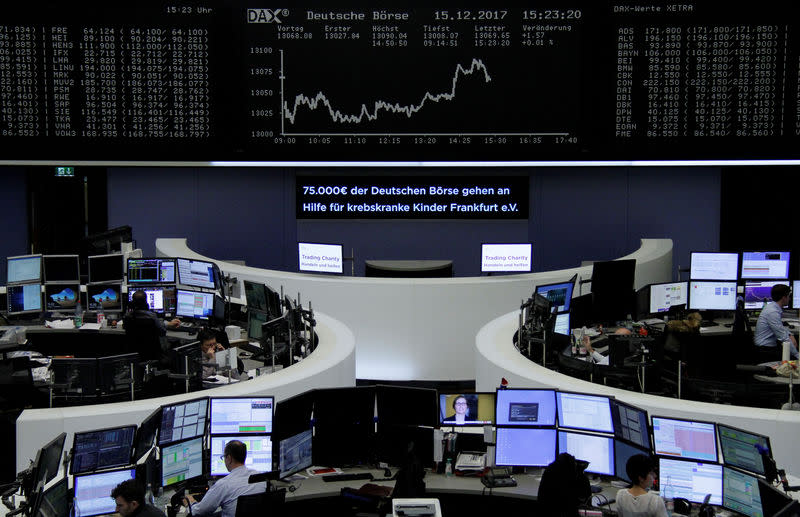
<point>461,408</point>
<point>637,501</point>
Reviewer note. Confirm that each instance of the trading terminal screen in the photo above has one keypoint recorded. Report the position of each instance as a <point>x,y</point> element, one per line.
<point>106,297</point>
<point>241,415</point>
<point>24,298</point>
<point>196,273</point>
<point>685,439</point>
<point>562,325</point>
<point>529,408</point>
<point>256,296</point>
<point>61,268</point>
<point>765,264</point>
<point>741,448</point>
<point>101,449</point>
<point>597,450</point>
<point>24,269</point>
<point>759,292</point>
<point>151,271</point>
<point>525,447</point>
<point>182,421</point>
<point>93,491</point>
<point>622,452</point>
<point>630,423</point>
<point>181,461</point>
<point>159,298</point>
<point>714,266</point>
<point>259,453</point>
<point>61,297</point>
<point>690,480</point>
<point>580,411</point>
<point>664,296</point>
<point>194,304</point>
<point>741,493</point>
<point>559,295</point>
<point>294,454</point>
<point>106,268</point>
<point>712,296</point>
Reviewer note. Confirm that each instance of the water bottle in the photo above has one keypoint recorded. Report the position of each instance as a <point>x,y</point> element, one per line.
<point>448,468</point>
<point>78,315</point>
<point>101,316</point>
<point>628,322</point>
<point>149,498</point>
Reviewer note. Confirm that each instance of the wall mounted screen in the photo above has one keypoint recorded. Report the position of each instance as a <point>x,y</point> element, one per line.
<point>498,258</point>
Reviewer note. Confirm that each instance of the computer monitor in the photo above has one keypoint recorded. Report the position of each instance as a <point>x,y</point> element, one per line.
<point>320,258</point>
<point>24,298</point>
<point>146,435</point>
<point>525,407</point>
<point>143,271</point>
<point>691,480</point>
<point>795,294</point>
<point>775,502</point>
<point>49,460</point>
<point>181,461</point>
<point>106,268</point>
<point>344,425</point>
<point>195,304</point>
<point>241,415</point>
<point>582,411</point>
<point>740,493</point>
<point>498,258</point>
<point>525,447</point>
<point>55,500</point>
<point>612,290</point>
<point>105,297</point>
<point>622,453</point>
<point>187,359</point>
<point>630,423</point>
<point>561,325</point>
<point>479,408</point>
<point>196,273</point>
<point>686,439</point>
<point>61,297</point>
<point>765,264</point>
<point>183,420</point>
<point>743,449</point>
<point>713,266</point>
<point>597,450</point>
<point>24,269</point>
<point>668,295</point>
<point>61,268</point>
<point>559,295</point>
<point>406,405</point>
<point>758,292</point>
<point>114,373</point>
<point>256,295</point>
<point>160,298</point>
<point>78,374</point>
<point>274,302</point>
<point>293,415</point>
<point>712,296</point>
<point>259,453</point>
<point>255,320</point>
<point>104,448</point>
<point>93,491</point>
<point>294,454</point>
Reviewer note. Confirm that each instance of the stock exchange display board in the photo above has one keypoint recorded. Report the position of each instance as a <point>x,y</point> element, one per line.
<point>244,81</point>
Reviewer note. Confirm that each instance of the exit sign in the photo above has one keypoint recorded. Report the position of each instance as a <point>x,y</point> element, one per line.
<point>65,172</point>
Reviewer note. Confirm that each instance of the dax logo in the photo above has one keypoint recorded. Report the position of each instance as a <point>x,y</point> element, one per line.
<point>266,15</point>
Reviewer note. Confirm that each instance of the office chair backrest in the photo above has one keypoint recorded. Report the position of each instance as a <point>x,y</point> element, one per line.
<point>143,336</point>
<point>265,504</point>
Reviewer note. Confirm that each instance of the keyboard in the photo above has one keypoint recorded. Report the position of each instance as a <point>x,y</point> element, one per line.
<point>707,323</point>
<point>415,509</point>
<point>347,477</point>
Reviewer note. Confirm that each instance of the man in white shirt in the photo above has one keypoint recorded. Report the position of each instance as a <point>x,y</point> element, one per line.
<point>227,490</point>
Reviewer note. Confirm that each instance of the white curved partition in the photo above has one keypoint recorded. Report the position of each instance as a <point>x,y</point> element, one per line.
<point>497,358</point>
<point>331,365</point>
<point>421,328</point>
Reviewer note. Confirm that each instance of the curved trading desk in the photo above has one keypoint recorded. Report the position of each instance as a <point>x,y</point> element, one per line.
<point>497,358</point>
<point>421,328</point>
<point>332,364</point>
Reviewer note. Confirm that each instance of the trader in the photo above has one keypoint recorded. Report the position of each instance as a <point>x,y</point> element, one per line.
<point>144,328</point>
<point>770,331</point>
<point>129,497</point>
<point>227,490</point>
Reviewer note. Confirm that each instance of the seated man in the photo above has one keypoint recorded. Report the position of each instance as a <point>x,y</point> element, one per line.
<point>596,356</point>
<point>227,490</point>
<point>770,332</point>
<point>129,497</point>
<point>209,346</point>
<point>145,329</point>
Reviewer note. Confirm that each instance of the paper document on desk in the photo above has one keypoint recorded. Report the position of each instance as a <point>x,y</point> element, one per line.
<point>471,461</point>
<point>90,326</point>
<point>60,324</point>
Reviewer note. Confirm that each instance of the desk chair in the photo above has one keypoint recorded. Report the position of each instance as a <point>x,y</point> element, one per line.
<point>271,503</point>
<point>143,336</point>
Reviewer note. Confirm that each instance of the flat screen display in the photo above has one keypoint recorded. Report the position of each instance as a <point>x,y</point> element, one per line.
<point>581,411</point>
<point>61,297</point>
<point>765,264</point>
<point>559,295</point>
<point>759,292</point>
<point>50,459</point>
<point>181,461</point>
<point>55,500</point>
<point>741,493</point>
<point>93,491</point>
<point>466,408</point>
<point>106,268</point>
<point>146,435</point>
<point>498,258</point>
<point>685,439</point>
<point>664,296</point>
<point>319,258</point>
<point>795,294</point>
<point>26,268</point>
<point>256,296</point>
<point>714,266</point>
<point>196,273</point>
<point>255,322</point>
<point>183,421</point>
<point>160,299</point>
<point>194,304</point>
<point>529,408</point>
<point>151,271</point>
<point>24,298</point>
<point>294,454</point>
<point>94,450</point>
<point>561,325</point>
<point>259,453</point>
<point>61,268</point>
<point>712,296</point>
<point>241,415</point>
<point>743,449</point>
<point>690,480</point>
<point>630,423</point>
<point>597,450</point>
<point>105,297</point>
<point>622,453</point>
<point>525,447</point>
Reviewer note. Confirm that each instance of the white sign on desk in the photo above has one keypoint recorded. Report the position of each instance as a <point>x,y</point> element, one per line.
<point>506,257</point>
<point>320,258</point>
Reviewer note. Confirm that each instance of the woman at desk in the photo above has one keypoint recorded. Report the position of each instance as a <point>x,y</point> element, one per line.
<point>637,501</point>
